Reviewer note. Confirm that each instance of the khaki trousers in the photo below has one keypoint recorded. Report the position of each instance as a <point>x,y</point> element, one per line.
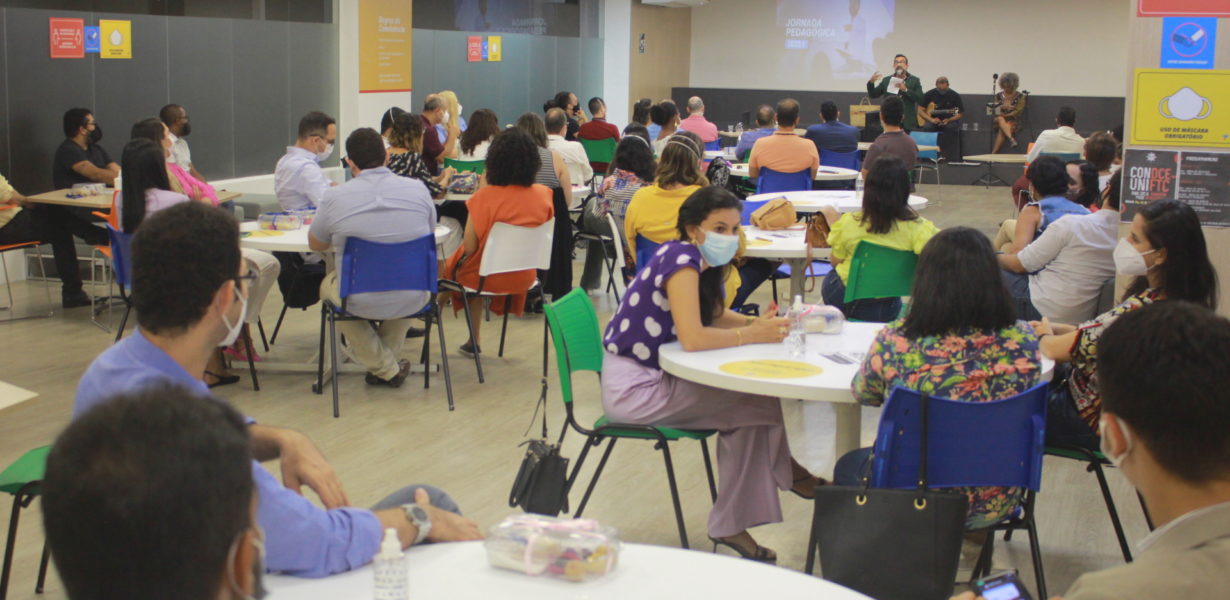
<point>377,347</point>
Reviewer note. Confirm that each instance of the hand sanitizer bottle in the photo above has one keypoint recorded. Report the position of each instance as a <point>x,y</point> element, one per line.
<point>796,340</point>
<point>389,566</point>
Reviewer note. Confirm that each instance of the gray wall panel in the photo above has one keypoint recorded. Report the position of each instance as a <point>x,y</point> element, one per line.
<point>5,167</point>
<point>262,95</point>
<point>205,89</point>
<point>313,77</point>
<point>128,90</point>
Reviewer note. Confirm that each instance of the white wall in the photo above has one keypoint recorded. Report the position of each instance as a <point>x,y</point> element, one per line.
<point>616,43</point>
<point>358,110</point>
<point>1058,47</point>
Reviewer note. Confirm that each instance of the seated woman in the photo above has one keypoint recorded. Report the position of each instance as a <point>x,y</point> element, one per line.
<point>665,116</point>
<point>1101,150</point>
<point>678,296</point>
<point>181,181</point>
<point>1010,104</point>
<point>1083,185</point>
<point>552,169</point>
<point>1048,184</point>
<point>405,158</point>
<point>477,137</point>
<point>632,167</point>
<point>887,220</point>
<point>512,197</point>
<point>654,209</point>
<point>640,116</point>
<point>962,341</point>
<point>1166,253</point>
<point>452,117</point>
<point>386,122</point>
<point>553,173</point>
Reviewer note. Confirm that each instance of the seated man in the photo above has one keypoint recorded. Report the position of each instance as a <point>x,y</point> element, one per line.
<point>376,205</point>
<point>175,117</point>
<point>697,123</point>
<point>573,153</point>
<point>1060,275</point>
<point>766,119</point>
<point>831,134</point>
<point>1165,404</point>
<point>598,128</point>
<point>1062,139</point>
<point>189,292</point>
<point>165,475</point>
<point>298,180</point>
<point>894,140</point>
<point>941,110</point>
<point>784,152</point>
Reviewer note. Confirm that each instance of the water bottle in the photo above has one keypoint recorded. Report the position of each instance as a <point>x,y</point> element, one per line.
<point>390,569</point>
<point>858,188</point>
<point>796,340</point>
<point>739,128</point>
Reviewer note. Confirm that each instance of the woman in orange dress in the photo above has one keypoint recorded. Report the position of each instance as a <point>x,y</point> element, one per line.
<point>512,197</point>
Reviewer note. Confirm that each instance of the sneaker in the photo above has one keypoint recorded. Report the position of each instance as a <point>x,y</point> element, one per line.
<point>469,349</point>
<point>75,299</point>
<point>415,332</point>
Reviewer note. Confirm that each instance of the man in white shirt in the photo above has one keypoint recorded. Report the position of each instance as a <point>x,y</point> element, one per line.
<point>298,180</point>
<point>175,117</point>
<point>376,205</point>
<point>573,153</point>
<point>1060,275</point>
<point>1062,139</point>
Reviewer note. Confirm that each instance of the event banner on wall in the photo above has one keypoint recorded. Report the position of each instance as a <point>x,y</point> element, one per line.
<point>1201,179</point>
<point>384,46</point>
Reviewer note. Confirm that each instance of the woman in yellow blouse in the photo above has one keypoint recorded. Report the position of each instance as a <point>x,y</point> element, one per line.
<point>1011,103</point>
<point>886,220</point>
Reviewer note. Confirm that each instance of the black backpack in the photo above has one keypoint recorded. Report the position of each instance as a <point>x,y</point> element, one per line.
<point>299,280</point>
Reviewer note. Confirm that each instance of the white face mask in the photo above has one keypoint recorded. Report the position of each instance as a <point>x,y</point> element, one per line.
<point>1127,438</point>
<point>232,331</point>
<point>444,120</point>
<point>459,110</point>
<point>1130,262</point>
<point>325,154</point>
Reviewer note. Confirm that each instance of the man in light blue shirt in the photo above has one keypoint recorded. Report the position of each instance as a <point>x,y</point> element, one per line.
<point>298,180</point>
<point>832,134</point>
<point>378,206</point>
<point>189,293</point>
<point>766,118</point>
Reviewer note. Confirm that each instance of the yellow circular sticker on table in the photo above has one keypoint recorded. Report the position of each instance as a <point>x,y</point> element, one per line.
<point>261,233</point>
<point>771,369</point>
<point>757,243</point>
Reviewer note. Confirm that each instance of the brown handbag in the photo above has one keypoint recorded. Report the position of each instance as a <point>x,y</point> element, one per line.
<point>777,213</point>
<point>817,236</point>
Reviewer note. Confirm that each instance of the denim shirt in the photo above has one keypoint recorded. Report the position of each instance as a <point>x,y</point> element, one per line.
<point>1054,207</point>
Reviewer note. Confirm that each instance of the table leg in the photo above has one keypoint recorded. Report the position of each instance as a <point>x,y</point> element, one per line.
<point>798,273</point>
<point>849,427</point>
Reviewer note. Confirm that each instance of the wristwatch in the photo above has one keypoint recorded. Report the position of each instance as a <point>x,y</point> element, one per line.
<point>419,517</point>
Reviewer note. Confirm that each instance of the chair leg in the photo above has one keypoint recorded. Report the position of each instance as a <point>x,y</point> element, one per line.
<point>9,545</point>
<point>333,362</point>
<point>273,339</point>
<point>247,340</point>
<point>1096,466</point>
<point>478,362</point>
<point>504,326</point>
<point>664,446</point>
<point>1035,548</point>
<point>424,354</point>
<point>597,473</point>
<point>42,569</point>
<point>982,566</point>
<point>704,450</point>
<point>576,468</point>
<point>448,378</point>
<point>260,326</point>
<point>319,386</point>
<point>813,540</point>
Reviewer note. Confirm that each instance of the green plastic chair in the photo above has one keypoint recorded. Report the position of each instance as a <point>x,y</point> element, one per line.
<point>879,272</point>
<point>599,151</point>
<point>1096,463</point>
<point>578,347</point>
<point>23,479</point>
<point>462,166</point>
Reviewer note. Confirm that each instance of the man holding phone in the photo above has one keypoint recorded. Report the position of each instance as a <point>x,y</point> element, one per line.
<point>1165,405</point>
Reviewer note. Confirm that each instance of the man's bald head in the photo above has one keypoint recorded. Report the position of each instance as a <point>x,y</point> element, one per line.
<point>695,106</point>
<point>556,121</point>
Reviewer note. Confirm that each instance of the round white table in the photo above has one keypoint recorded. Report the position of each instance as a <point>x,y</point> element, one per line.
<point>460,571</point>
<point>810,201</point>
<point>788,245</point>
<point>579,192</point>
<point>865,146</point>
<point>822,174</point>
<point>295,240</point>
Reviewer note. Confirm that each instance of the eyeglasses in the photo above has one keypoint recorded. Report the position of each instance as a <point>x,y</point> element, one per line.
<point>249,278</point>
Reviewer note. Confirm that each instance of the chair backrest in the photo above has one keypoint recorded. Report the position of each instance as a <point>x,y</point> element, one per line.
<point>644,250</point>
<point>771,181</point>
<point>997,443</point>
<point>599,151</point>
<point>513,248</point>
<point>461,166</point>
<point>1064,157</point>
<point>618,238</point>
<point>714,145</point>
<point>112,218</point>
<point>845,160</point>
<point>926,138</point>
<point>576,335</point>
<point>368,266</point>
<point>749,207</point>
<point>121,256</point>
<point>879,272</point>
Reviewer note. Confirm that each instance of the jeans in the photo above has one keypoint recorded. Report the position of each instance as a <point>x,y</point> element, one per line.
<point>949,139</point>
<point>439,499</point>
<point>1064,426</point>
<point>1018,287</point>
<point>753,273</point>
<point>853,467</point>
<point>56,225</point>
<point>591,276</point>
<point>874,310</point>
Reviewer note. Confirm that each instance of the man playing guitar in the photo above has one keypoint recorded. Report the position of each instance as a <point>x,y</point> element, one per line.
<point>941,110</point>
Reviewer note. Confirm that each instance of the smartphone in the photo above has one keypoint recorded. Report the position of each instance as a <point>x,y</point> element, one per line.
<point>1003,586</point>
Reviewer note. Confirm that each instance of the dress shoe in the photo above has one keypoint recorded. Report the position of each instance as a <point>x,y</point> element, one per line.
<point>75,299</point>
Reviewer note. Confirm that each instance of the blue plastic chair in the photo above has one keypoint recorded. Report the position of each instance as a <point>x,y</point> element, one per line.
<point>749,207</point>
<point>644,250</point>
<point>845,160</point>
<point>819,268</point>
<point>771,181</point>
<point>714,145</point>
<point>928,160</point>
<point>970,444</point>
<point>121,265</point>
<point>366,267</point>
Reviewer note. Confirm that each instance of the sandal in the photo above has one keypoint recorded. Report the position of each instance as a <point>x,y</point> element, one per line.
<point>760,554</point>
<point>819,482</point>
<point>221,379</point>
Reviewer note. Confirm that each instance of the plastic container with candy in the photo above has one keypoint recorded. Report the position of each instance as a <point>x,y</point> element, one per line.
<point>280,221</point>
<point>306,215</point>
<point>571,549</point>
<point>822,318</point>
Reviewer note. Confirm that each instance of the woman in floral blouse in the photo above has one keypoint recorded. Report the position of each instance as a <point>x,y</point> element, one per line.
<point>960,340</point>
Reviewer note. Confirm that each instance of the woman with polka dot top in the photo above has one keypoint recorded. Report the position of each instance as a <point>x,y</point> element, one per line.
<point>678,295</point>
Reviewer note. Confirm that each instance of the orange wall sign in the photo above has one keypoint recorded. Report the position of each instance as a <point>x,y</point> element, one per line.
<point>384,46</point>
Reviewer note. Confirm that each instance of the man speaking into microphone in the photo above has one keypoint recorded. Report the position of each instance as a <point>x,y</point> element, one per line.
<point>904,85</point>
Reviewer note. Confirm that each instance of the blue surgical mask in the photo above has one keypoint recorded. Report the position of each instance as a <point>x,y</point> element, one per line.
<point>719,248</point>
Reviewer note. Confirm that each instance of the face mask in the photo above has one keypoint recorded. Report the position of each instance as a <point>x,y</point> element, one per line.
<point>325,154</point>
<point>459,110</point>
<point>444,120</point>
<point>719,248</point>
<point>96,135</point>
<point>1130,262</point>
<point>258,569</point>
<point>185,130</point>
<point>1127,438</point>
<point>232,331</point>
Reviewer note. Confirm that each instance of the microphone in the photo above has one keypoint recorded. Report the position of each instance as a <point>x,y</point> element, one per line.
<point>995,76</point>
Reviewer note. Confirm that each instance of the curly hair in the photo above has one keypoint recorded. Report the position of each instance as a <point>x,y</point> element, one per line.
<point>513,159</point>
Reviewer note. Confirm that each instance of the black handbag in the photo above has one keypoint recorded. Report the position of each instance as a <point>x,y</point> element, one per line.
<point>890,544</point>
<point>541,485</point>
